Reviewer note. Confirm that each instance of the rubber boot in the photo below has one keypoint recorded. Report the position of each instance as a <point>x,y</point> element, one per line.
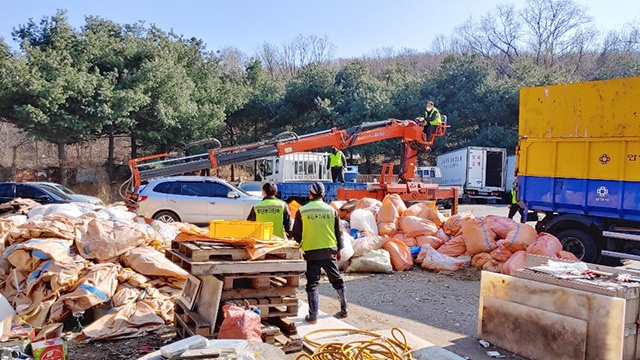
<point>344,312</point>
<point>312,297</point>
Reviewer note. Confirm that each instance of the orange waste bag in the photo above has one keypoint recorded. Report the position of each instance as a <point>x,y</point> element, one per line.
<point>240,323</point>
<point>400,254</point>
<point>454,247</point>
<point>545,245</point>
<point>516,261</point>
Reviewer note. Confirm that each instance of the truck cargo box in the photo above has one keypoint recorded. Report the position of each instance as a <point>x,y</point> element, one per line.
<point>593,109</point>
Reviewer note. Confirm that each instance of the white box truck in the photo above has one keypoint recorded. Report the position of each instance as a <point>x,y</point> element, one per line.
<point>480,171</point>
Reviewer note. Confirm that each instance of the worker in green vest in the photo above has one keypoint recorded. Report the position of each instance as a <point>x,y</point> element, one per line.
<point>272,209</point>
<point>432,119</point>
<point>317,229</point>
<point>514,206</point>
<point>337,164</point>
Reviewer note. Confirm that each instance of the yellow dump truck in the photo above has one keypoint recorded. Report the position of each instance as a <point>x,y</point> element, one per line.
<point>578,163</point>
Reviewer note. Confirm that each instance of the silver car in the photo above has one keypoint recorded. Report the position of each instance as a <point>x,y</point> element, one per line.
<point>74,196</point>
<point>194,199</point>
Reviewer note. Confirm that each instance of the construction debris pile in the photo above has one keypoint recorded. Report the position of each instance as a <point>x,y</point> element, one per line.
<point>74,260</point>
<point>386,236</point>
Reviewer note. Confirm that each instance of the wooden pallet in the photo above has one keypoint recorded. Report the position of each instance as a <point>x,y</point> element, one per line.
<point>190,323</point>
<point>260,281</point>
<point>272,307</point>
<point>234,267</point>
<point>286,325</point>
<point>202,251</point>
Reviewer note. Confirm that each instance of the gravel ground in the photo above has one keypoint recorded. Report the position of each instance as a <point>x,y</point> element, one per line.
<point>440,308</point>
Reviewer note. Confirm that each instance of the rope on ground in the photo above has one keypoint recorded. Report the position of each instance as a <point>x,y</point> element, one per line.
<point>378,347</point>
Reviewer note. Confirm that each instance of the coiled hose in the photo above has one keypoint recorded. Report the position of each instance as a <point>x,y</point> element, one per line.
<point>378,347</point>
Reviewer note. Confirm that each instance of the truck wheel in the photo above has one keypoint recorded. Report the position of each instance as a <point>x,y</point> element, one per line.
<point>166,217</point>
<point>581,244</point>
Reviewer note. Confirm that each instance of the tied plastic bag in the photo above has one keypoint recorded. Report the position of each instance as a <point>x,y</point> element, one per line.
<point>519,237</point>
<point>413,226</point>
<point>454,247</point>
<point>433,260</point>
<point>397,202</point>
<point>347,251</point>
<point>409,241</point>
<point>545,245</point>
<point>442,235</point>
<point>400,254</point>
<point>500,225</point>
<point>363,245</point>
<point>454,223</point>
<point>427,210</point>
<point>375,261</point>
<point>567,255</point>
<point>478,237</point>
<point>501,253</point>
<point>370,204</point>
<point>365,221</point>
<point>431,240</point>
<point>387,218</point>
<point>480,259</point>
<point>240,323</point>
<point>516,261</point>
<point>493,265</point>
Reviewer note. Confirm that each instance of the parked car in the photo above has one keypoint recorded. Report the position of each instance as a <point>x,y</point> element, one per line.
<point>251,187</point>
<point>76,197</point>
<point>41,194</point>
<point>194,199</point>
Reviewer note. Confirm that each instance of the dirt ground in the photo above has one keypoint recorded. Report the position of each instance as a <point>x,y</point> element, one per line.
<point>440,308</point>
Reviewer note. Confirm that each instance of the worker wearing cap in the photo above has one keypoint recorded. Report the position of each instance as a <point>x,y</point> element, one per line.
<point>317,229</point>
<point>272,209</point>
<point>337,164</point>
<point>432,119</point>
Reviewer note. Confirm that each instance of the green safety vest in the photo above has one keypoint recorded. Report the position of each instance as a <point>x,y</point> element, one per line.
<point>318,226</point>
<point>513,196</point>
<point>335,160</point>
<point>438,119</point>
<point>271,210</point>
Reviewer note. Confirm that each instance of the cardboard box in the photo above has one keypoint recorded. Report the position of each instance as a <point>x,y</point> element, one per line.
<point>51,349</point>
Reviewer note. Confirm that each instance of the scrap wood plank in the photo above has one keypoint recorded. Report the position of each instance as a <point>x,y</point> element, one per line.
<point>203,251</point>
<point>286,325</point>
<point>261,280</point>
<point>233,267</point>
<point>237,294</point>
<point>289,344</point>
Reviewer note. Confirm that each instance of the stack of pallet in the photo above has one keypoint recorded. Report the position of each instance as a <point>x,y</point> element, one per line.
<point>221,274</point>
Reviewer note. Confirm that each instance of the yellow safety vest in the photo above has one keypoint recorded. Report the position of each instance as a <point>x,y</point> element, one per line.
<point>335,160</point>
<point>271,210</point>
<point>318,226</point>
<point>437,121</point>
<point>513,196</point>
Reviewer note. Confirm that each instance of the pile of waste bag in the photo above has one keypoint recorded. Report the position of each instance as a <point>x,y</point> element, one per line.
<point>63,261</point>
<point>383,236</point>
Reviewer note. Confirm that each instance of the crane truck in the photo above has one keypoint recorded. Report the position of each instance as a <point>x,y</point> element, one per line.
<point>578,165</point>
<point>411,133</point>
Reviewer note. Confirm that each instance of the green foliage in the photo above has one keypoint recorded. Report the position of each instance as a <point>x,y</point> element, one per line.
<point>497,136</point>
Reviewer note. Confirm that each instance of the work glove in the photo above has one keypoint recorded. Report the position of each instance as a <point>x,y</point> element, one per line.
<point>338,256</point>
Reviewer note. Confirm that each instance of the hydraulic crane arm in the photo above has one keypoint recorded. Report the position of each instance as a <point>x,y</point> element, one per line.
<point>150,167</point>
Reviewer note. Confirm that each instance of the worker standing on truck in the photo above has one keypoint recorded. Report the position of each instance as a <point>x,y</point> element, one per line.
<point>432,119</point>
<point>272,209</point>
<point>515,207</point>
<point>317,229</point>
<point>337,164</point>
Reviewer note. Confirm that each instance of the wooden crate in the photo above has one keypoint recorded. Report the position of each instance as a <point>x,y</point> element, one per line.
<point>551,319</point>
<point>234,267</point>
<point>190,323</point>
<point>203,251</point>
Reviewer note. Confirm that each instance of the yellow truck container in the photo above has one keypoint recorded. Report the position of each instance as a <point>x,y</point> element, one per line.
<point>593,109</point>
<point>579,165</point>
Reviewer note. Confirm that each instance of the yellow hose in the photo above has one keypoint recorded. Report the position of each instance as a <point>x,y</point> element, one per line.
<point>378,347</point>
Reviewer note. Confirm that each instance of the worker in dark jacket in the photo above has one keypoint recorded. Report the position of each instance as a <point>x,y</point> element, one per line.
<point>317,229</point>
<point>515,207</point>
<point>337,164</point>
<point>274,210</point>
<point>432,119</point>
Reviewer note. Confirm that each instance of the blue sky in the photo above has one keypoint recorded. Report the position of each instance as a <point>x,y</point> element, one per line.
<point>355,27</point>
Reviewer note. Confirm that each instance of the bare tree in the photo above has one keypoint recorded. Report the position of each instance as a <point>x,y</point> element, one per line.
<point>552,27</point>
<point>232,61</point>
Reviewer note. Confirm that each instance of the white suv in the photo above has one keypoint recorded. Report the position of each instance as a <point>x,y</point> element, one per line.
<point>194,199</point>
